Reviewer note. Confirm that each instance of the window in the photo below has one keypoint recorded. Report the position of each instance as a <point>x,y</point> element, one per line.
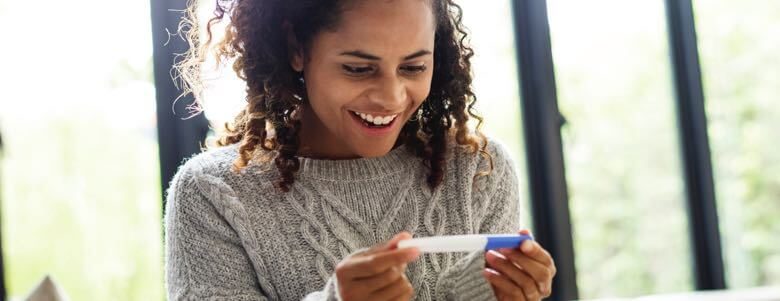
<point>496,83</point>
<point>80,172</point>
<point>741,72</point>
<point>620,144</point>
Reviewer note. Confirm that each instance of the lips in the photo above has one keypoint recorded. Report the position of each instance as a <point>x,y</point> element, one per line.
<point>377,126</point>
<point>375,120</point>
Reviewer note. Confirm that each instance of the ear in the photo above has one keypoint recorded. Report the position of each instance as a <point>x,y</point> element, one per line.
<point>294,49</point>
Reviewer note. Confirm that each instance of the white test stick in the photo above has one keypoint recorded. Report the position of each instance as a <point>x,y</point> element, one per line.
<point>464,243</point>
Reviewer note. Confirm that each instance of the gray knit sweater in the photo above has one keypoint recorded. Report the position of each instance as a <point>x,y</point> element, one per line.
<point>235,237</point>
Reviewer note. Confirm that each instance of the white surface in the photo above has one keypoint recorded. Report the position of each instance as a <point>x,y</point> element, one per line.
<point>751,294</point>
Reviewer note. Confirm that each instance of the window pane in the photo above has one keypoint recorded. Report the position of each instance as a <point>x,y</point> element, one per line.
<point>621,147</point>
<point>495,81</point>
<point>80,172</point>
<point>741,72</point>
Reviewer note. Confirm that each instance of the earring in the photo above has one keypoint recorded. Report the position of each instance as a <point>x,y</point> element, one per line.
<point>415,116</point>
<point>296,113</point>
<point>303,89</point>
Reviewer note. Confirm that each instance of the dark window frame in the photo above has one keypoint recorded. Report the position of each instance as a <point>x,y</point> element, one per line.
<point>3,293</point>
<point>542,122</point>
<point>180,135</point>
<point>695,147</point>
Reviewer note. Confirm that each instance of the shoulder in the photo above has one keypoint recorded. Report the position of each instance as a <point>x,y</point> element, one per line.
<point>205,173</point>
<point>211,173</point>
<point>214,162</point>
<point>495,156</point>
<point>205,187</point>
<point>483,173</point>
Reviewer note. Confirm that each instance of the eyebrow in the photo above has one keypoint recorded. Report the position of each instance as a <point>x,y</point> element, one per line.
<point>364,55</point>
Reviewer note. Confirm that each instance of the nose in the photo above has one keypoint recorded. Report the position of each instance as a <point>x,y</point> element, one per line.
<point>390,93</point>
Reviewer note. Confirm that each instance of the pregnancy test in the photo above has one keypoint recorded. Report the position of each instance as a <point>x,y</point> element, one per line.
<point>464,243</point>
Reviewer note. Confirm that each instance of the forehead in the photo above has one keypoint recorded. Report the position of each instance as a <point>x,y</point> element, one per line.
<point>383,27</point>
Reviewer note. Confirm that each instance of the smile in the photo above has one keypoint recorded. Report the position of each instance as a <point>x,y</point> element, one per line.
<point>375,120</point>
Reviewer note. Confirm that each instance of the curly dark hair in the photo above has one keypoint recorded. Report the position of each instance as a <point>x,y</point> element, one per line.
<point>256,39</point>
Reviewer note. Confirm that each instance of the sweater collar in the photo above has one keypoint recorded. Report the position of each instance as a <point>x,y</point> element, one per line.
<point>397,160</point>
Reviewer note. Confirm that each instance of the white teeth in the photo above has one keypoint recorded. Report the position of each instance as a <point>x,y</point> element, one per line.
<point>386,119</point>
<point>376,120</point>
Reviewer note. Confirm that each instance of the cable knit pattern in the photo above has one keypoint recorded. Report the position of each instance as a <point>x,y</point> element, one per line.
<point>233,236</point>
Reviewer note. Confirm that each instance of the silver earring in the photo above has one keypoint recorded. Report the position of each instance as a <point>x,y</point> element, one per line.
<point>415,116</point>
<point>296,113</point>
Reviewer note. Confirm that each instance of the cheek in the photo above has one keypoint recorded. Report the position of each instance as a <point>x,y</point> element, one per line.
<point>321,94</point>
<point>327,97</point>
<point>419,91</point>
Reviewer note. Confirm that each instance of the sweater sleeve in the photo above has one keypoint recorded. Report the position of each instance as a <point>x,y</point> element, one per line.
<point>498,215</point>
<point>205,258</point>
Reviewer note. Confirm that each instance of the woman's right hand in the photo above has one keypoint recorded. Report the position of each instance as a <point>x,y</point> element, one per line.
<point>378,273</point>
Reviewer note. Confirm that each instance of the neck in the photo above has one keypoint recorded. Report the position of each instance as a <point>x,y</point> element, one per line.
<point>316,141</point>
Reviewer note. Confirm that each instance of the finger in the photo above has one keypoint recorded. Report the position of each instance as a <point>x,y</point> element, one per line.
<point>502,297</point>
<point>376,282</point>
<point>375,263</point>
<point>408,294</point>
<point>519,277</point>
<point>542,274</point>
<point>390,244</point>
<point>534,250</point>
<point>393,290</point>
<point>505,288</point>
<point>496,290</point>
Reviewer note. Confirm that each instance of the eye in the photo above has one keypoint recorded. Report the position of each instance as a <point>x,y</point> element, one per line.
<point>357,70</point>
<point>413,69</point>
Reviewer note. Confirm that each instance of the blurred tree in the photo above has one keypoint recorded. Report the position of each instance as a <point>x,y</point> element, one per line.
<point>741,69</point>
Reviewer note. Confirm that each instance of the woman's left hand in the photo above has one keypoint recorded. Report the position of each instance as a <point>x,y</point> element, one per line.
<point>524,273</point>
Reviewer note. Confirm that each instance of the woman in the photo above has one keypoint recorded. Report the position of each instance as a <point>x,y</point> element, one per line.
<point>354,137</point>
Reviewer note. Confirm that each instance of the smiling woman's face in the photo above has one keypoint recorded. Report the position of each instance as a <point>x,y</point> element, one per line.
<point>366,77</point>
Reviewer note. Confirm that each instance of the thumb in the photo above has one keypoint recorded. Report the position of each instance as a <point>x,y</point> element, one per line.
<point>392,243</point>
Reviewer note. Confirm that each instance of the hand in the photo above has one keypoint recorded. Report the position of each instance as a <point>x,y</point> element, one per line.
<point>523,273</point>
<point>378,273</point>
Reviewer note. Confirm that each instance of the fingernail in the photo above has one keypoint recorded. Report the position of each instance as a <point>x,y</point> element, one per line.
<point>414,253</point>
<point>527,246</point>
<point>490,271</point>
<point>504,251</point>
<point>486,273</point>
